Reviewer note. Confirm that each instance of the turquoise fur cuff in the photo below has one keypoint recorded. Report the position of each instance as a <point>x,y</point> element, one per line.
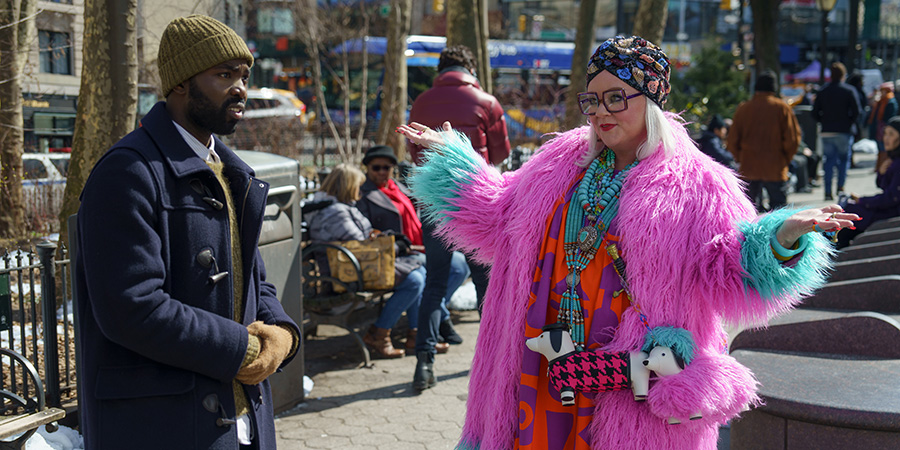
<point>445,170</point>
<point>789,253</point>
<point>768,276</point>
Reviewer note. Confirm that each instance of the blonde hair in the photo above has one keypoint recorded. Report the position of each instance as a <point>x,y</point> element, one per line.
<point>659,131</point>
<point>343,183</point>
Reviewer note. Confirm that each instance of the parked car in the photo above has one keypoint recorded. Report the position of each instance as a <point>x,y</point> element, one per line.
<point>274,121</point>
<point>43,185</point>
<point>267,102</point>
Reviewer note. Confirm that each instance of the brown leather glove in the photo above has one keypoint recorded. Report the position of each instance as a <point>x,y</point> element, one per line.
<point>275,345</point>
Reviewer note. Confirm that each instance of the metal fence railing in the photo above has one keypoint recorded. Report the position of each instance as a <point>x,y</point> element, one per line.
<point>37,315</point>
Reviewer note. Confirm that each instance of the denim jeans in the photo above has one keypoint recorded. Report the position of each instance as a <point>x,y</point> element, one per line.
<point>837,155</point>
<point>459,271</point>
<point>406,297</point>
<point>441,281</point>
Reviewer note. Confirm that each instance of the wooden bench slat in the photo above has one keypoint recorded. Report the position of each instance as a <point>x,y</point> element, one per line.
<point>20,424</point>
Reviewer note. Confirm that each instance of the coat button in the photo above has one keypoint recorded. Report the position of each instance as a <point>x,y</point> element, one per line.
<point>205,258</point>
<point>211,403</point>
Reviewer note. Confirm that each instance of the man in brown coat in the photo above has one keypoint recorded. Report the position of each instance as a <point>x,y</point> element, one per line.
<point>764,138</point>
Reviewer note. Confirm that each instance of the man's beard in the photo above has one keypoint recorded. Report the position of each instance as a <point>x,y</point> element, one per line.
<point>204,114</point>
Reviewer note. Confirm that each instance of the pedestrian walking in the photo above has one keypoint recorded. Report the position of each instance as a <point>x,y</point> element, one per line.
<point>455,95</point>
<point>764,138</point>
<point>836,108</point>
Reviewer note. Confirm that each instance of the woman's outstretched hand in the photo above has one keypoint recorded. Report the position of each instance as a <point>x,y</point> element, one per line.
<point>829,218</point>
<point>423,136</point>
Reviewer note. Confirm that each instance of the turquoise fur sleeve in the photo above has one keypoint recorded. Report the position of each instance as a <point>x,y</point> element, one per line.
<point>445,170</point>
<point>768,276</point>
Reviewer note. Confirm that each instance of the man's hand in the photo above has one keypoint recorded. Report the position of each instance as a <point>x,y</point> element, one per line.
<point>275,344</point>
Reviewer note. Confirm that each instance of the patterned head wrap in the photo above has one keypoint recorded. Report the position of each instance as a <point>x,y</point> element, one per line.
<point>637,62</point>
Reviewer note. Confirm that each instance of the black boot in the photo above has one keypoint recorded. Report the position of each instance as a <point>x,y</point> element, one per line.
<point>424,376</point>
<point>449,333</point>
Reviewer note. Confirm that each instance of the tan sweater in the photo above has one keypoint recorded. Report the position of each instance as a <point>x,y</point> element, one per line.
<point>242,405</point>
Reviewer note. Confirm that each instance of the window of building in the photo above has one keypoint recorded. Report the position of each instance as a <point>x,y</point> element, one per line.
<point>55,51</point>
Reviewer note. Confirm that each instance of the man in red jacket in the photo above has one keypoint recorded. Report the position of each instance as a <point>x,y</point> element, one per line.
<point>454,97</point>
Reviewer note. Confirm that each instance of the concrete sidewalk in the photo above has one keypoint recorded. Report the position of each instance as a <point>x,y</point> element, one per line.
<point>365,408</point>
<point>376,408</point>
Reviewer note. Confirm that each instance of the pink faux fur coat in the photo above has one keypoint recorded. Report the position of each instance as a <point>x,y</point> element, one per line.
<point>679,227</point>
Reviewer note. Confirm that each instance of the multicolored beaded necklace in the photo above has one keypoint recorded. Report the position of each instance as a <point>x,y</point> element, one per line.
<point>591,210</point>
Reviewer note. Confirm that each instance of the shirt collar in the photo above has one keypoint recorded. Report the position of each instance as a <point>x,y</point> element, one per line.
<point>206,153</point>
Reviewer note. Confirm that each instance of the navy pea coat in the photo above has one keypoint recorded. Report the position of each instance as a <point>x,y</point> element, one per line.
<point>159,344</point>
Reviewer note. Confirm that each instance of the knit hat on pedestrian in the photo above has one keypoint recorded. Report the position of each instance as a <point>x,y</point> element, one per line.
<point>765,82</point>
<point>192,44</point>
<point>637,62</point>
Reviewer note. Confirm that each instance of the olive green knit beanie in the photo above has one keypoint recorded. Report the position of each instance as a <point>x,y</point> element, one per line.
<point>192,44</point>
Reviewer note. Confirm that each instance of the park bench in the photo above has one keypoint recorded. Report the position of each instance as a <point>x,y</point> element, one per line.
<point>827,382</point>
<point>22,408</point>
<point>324,306</point>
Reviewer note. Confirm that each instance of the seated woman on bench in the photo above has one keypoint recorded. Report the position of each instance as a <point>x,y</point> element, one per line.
<point>341,221</point>
<point>388,205</point>
<point>882,206</point>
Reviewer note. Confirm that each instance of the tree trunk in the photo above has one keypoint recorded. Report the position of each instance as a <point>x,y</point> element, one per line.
<point>394,94</point>
<point>107,100</point>
<point>765,37</point>
<point>309,34</point>
<point>584,48</point>
<point>650,20</point>
<point>853,37</point>
<point>356,156</point>
<point>484,62</point>
<point>15,39</point>
<point>464,27</point>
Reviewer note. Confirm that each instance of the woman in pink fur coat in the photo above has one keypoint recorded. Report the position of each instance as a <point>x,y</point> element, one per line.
<point>695,254</point>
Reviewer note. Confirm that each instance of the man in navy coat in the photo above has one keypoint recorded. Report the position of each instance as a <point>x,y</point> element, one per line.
<point>178,327</point>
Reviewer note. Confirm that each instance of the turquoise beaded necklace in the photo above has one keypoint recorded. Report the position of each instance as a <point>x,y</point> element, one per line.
<point>592,208</point>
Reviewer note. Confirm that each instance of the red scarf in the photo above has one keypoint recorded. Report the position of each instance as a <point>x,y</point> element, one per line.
<point>412,228</point>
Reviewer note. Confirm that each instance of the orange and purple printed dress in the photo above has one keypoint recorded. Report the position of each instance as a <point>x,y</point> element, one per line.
<point>544,424</point>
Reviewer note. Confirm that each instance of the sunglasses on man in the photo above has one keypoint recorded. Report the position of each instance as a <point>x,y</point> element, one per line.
<point>380,168</point>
